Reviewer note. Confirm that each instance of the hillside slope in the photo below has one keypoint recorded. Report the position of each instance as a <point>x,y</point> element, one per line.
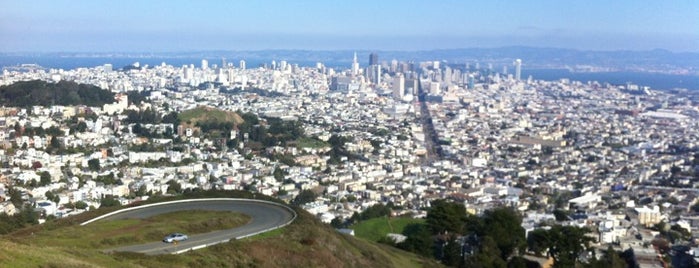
<point>304,243</point>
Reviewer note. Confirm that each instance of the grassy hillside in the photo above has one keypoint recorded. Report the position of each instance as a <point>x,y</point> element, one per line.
<point>208,114</point>
<point>304,243</point>
<point>377,228</point>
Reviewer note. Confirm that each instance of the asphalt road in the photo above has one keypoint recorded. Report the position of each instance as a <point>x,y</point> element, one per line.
<point>264,216</point>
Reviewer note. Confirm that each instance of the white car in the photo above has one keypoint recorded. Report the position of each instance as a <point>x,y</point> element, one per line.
<point>175,237</point>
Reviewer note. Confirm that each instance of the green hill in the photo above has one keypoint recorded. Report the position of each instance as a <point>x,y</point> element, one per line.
<point>304,243</point>
<point>208,114</point>
<point>41,93</point>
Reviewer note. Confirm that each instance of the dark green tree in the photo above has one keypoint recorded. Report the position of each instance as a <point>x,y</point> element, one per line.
<point>173,187</point>
<point>80,205</point>
<point>487,255</point>
<point>538,241</point>
<point>305,196</point>
<point>451,252</point>
<point>93,164</point>
<point>337,223</point>
<point>445,216</point>
<point>142,190</point>
<point>44,178</point>
<point>504,225</point>
<point>568,242</point>
<point>279,174</point>
<point>561,215</point>
<point>109,202</point>
<point>15,197</point>
<point>419,240</point>
<point>81,127</point>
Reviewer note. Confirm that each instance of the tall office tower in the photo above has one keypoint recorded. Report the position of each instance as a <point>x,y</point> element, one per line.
<point>242,64</point>
<point>411,86</point>
<point>223,63</point>
<point>377,74</point>
<point>282,65</point>
<point>394,65</point>
<point>373,59</point>
<point>355,65</point>
<point>518,69</point>
<point>204,64</point>
<point>446,76</point>
<point>398,86</point>
<point>471,81</point>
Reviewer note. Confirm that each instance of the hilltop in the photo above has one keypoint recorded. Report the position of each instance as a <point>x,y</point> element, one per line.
<point>42,93</point>
<point>305,243</point>
<point>209,115</point>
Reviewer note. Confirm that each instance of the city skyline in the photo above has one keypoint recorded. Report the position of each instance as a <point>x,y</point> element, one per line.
<point>56,26</point>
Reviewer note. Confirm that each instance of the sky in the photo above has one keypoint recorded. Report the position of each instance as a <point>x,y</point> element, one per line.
<point>190,25</point>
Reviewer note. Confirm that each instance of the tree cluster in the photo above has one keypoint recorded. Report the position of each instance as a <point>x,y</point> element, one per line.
<point>41,93</point>
<point>150,116</point>
<point>25,217</point>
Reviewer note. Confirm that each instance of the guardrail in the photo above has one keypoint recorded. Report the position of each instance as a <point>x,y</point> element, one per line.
<point>293,213</point>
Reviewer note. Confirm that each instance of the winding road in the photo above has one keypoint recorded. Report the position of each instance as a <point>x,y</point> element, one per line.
<point>266,216</point>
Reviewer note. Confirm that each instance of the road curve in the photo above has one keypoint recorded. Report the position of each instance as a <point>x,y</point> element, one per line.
<point>266,216</point>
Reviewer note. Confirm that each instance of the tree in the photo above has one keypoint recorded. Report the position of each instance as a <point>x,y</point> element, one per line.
<point>80,205</point>
<point>44,178</point>
<point>504,225</point>
<point>538,241</point>
<point>419,240</point>
<point>81,127</point>
<point>451,252</point>
<point>109,202</point>
<point>609,259</point>
<point>279,174</point>
<point>52,196</point>
<point>445,216</point>
<point>567,243</point>
<point>337,223</point>
<point>375,211</point>
<point>488,255</point>
<point>173,187</point>
<point>93,164</point>
<point>15,197</point>
<point>561,215</point>
<point>305,196</point>
<point>55,144</point>
<point>142,190</point>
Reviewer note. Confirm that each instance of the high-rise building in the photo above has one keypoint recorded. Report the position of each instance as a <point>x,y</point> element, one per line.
<point>355,65</point>
<point>204,64</point>
<point>398,86</point>
<point>373,59</point>
<point>223,63</point>
<point>242,64</point>
<point>518,69</point>
<point>471,81</point>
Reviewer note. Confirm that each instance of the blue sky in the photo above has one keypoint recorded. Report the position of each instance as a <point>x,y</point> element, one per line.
<point>181,25</point>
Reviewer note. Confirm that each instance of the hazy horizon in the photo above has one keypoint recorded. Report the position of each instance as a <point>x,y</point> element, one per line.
<point>172,26</point>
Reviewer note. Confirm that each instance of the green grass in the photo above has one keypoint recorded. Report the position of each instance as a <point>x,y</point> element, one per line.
<point>112,233</point>
<point>377,228</point>
<point>273,233</point>
<point>209,114</point>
